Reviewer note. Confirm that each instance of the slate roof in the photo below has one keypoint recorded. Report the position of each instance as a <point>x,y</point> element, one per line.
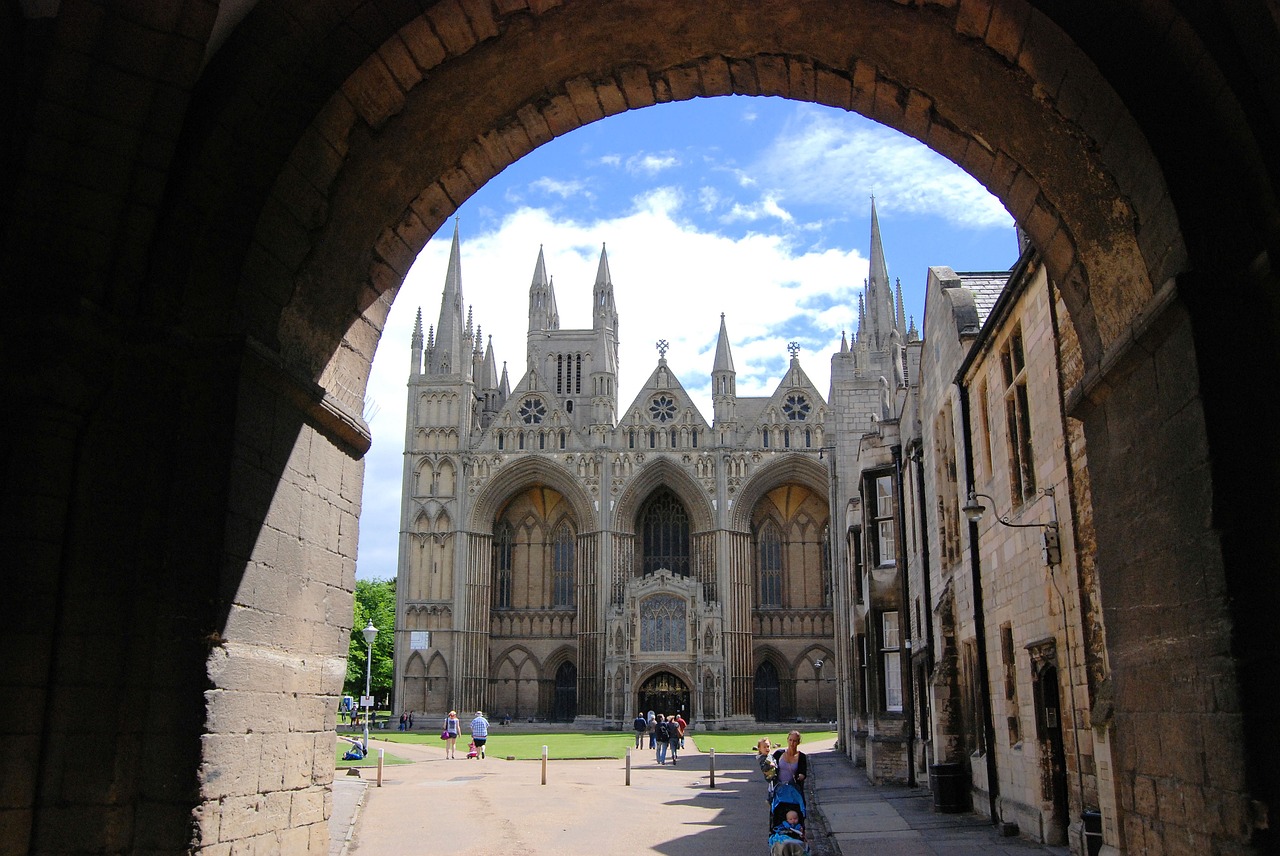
<point>986,287</point>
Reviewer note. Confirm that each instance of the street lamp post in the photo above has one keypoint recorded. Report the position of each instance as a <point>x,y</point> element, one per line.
<point>817,690</point>
<point>369,633</point>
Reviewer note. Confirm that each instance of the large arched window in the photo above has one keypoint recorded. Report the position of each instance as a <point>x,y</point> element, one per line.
<point>562,566</point>
<point>664,531</point>
<point>503,550</point>
<point>769,558</point>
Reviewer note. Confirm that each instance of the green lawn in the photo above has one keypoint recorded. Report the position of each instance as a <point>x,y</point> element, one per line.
<point>563,745</point>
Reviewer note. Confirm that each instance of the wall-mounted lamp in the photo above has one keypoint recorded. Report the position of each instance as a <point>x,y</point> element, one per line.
<point>1050,548</point>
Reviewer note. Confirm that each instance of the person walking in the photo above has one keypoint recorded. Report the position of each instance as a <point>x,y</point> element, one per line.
<point>452,728</point>
<point>793,765</point>
<point>480,732</point>
<point>651,720</point>
<point>404,721</point>
<point>641,726</point>
<point>673,738</point>
<point>660,738</point>
<point>680,721</point>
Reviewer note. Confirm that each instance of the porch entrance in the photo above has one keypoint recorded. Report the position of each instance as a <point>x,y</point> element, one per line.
<point>665,693</point>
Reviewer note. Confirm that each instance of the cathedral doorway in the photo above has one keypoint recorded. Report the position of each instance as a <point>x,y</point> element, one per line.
<point>565,706</point>
<point>768,694</point>
<point>665,693</point>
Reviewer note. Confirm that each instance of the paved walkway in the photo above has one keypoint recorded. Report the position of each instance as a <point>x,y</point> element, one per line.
<point>500,807</point>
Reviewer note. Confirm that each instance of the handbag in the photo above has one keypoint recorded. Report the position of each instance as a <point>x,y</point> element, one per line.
<point>444,735</point>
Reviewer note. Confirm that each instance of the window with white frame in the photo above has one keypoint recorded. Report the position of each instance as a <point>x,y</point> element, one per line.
<point>891,660</point>
<point>882,525</point>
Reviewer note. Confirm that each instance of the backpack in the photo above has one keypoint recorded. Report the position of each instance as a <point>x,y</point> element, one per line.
<point>660,732</point>
<point>641,724</point>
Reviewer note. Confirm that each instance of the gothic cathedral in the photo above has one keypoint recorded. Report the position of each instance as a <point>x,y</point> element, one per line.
<point>565,560</point>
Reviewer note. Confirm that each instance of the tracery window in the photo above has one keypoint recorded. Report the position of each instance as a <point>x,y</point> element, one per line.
<point>503,552</point>
<point>664,529</point>
<point>796,408</point>
<point>532,410</point>
<point>662,623</point>
<point>562,566</point>
<point>769,555</point>
<point>662,408</point>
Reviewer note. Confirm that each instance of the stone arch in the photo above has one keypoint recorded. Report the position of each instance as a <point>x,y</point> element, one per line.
<point>514,681</point>
<point>802,469</point>
<point>664,472</point>
<point>522,474</point>
<point>254,164</point>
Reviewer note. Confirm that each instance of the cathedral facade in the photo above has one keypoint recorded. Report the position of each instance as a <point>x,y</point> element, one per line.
<point>568,557</point>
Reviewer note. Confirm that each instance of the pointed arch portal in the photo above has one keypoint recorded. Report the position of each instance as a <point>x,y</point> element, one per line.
<point>664,693</point>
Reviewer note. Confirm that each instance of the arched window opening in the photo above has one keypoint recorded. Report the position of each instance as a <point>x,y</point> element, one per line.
<point>769,557</point>
<point>562,567</point>
<point>664,529</point>
<point>503,554</point>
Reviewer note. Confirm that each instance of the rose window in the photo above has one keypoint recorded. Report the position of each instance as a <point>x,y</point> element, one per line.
<point>663,408</point>
<point>532,411</point>
<point>796,408</point>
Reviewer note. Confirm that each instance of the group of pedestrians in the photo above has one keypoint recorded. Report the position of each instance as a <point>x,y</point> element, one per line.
<point>453,727</point>
<point>665,732</point>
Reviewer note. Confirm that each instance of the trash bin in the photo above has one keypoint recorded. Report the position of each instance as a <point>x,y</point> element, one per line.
<point>1092,831</point>
<point>950,788</point>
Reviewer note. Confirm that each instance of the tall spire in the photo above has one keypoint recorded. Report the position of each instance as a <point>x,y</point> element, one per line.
<point>880,313</point>
<point>447,355</point>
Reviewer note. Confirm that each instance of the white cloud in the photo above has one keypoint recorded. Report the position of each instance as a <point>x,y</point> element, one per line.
<point>563,189</point>
<point>765,208</point>
<point>651,164</point>
<point>828,158</point>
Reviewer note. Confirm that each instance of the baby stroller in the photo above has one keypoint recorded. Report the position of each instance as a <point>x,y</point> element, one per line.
<point>472,751</point>
<point>787,838</point>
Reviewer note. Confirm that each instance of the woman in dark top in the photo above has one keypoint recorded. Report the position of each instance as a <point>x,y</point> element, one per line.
<point>793,765</point>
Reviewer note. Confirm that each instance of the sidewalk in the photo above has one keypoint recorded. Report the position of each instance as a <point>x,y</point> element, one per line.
<point>889,820</point>
<point>850,815</point>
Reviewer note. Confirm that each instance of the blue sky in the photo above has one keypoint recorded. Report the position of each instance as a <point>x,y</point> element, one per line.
<point>759,208</point>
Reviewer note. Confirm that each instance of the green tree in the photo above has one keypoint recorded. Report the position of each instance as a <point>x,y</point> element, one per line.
<point>375,600</point>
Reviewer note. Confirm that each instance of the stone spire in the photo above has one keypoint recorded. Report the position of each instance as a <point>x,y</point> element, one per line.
<point>604,310</point>
<point>879,305</point>
<point>448,355</point>
<point>900,318</point>
<point>724,380</point>
<point>415,346</point>
<point>541,297</point>
<point>724,357</point>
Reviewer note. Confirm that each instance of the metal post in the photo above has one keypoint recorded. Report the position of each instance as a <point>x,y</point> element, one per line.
<point>368,707</point>
<point>628,780</point>
<point>381,752</point>
<point>544,765</point>
<point>713,767</point>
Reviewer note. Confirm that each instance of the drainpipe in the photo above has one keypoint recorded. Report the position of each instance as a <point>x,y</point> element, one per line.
<point>904,620</point>
<point>979,616</point>
<point>916,455</point>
